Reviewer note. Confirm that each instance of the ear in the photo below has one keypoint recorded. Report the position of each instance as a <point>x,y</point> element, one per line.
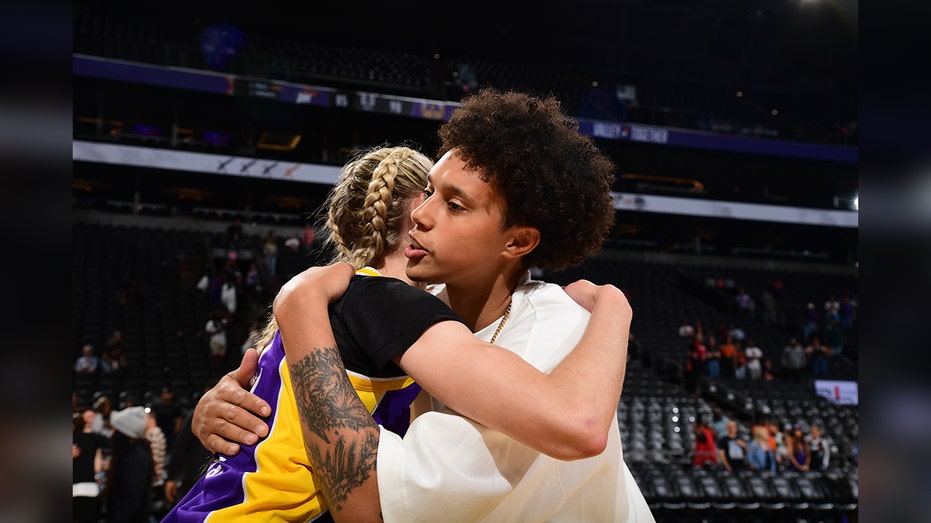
<point>521,240</point>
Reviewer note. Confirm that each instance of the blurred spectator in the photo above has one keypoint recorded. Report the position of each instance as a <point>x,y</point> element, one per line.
<point>690,372</point>
<point>292,242</point>
<point>168,414</point>
<point>705,451</point>
<point>719,422</point>
<point>128,490</point>
<point>87,466</point>
<point>686,330</point>
<point>834,337</point>
<point>214,288</point>
<point>760,455</point>
<point>782,441</point>
<point>732,449</point>
<point>798,452</point>
<point>270,250</point>
<point>87,363</point>
<point>159,445</point>
<point>771,312</point>
<point>187,460</point>
<point>754,357</point>
<point>308,243</point>
<point>767,369</point>
<point>228,293</point>
<point>216,335</point>
<point>848,312</point>
<point>737,333</point>
<point>114,359</point>
<point>728,352</point>
<point>713,362</point>
<point>818,356</point>
<point>809,321</point>
<point>740,363</point>
<point>103,407</point>
<point>290,262</point>
<point>794,361</point>
<point>745,304</point>
<point>831,309</point>
<point>820,449</point>
<point>253,282</point>
<point>127,399</point>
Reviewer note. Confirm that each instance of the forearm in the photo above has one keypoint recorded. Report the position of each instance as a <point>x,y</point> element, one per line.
<point>566,414</point>
<point>340,436</point>
<point>591,377</point>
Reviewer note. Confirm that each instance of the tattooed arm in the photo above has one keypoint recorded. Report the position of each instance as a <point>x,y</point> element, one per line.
<point>340,436</point>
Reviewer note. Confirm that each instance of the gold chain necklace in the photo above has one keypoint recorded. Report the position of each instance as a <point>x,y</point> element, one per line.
<point>504,319</point>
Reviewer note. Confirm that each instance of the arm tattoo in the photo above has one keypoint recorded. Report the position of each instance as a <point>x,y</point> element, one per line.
<point>339,433</point>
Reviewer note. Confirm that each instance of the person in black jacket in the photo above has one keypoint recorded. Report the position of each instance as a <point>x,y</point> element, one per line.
<point>187,460</point>
<point>128,491</point>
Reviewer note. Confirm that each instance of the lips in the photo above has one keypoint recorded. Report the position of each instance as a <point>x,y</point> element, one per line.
<point>414,251</point>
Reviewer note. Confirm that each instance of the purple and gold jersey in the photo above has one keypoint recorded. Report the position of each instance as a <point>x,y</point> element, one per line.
<point>374,321</point>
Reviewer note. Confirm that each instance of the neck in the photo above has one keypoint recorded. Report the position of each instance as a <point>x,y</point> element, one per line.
<point>480,306</point>
<point>395,267</point>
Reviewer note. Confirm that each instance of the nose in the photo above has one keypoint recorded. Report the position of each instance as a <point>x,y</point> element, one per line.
<point>420,214</point>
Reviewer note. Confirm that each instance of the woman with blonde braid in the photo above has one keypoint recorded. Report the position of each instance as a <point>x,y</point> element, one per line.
<point>374,322</point>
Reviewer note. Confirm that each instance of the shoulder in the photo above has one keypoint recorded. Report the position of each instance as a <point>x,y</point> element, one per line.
<point>384,287</point>
<point>548,297</point>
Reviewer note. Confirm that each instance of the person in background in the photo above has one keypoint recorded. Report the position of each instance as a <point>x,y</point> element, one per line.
<point>87,362</point>
<point>270,251</point>
<point>186,461</point>
<point>159,447</point>
<point>215,329</point>
<point>309,244</point>
<point>820,449</point>
<point>754,356</point>
<point>114,358</point>
<point>719,422</point>
<point>705,451</point>
<point>168,414</point>
<point>798,451</point>
<point>760,456</point>
<point>87,467</point>
<point>732,449</point>
<point>103,408</point>
<point>128,491</point>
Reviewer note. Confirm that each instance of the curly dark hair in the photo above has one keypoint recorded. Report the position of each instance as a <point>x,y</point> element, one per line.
<point>551,176</point>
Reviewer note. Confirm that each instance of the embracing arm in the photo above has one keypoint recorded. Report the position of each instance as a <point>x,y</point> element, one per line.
<point>340,436</point>
<point>565,414</point>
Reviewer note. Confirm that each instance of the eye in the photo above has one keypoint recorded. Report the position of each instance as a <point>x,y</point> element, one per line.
<point>455,207</point>
<point>427,192</point>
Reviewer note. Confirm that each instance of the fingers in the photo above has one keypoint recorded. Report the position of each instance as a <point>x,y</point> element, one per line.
<point>224,419</point>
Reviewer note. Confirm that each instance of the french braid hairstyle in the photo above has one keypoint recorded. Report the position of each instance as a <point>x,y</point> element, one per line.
<point>366,209</point>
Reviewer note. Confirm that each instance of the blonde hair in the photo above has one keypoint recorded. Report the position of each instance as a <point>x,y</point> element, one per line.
<point>366,209</point>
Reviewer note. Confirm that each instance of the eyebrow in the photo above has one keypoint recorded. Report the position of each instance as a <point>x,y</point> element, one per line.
<point>453,190</point>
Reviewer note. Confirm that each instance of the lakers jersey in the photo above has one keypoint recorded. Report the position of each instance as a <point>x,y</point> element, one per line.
<point>373,322</point>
